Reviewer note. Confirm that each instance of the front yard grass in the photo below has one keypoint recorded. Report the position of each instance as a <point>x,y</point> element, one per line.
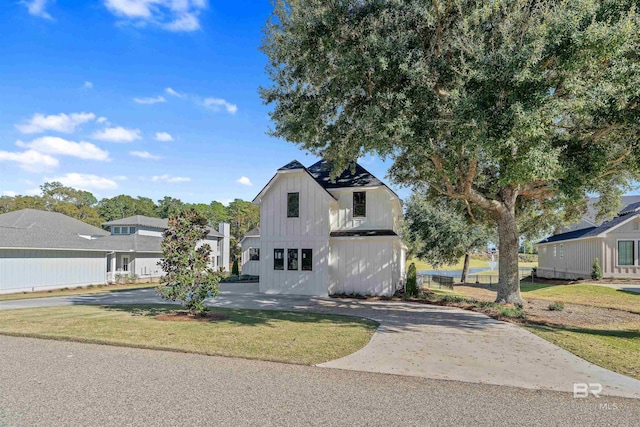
<point>592,295</point>
<point>280,336</point>
<point>79,290</point>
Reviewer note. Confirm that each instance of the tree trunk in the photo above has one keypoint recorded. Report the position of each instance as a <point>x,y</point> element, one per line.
<point>508,244</point>
<point>465,269</point>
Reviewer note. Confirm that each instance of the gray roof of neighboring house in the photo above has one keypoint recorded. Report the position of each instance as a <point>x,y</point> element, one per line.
<point>31,228</point>
<point>150,222</point>
<point>591,231</point>
<point>254,232</point>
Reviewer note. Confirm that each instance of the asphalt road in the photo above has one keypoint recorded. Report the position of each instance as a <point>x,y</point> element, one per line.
<point>61,383</point>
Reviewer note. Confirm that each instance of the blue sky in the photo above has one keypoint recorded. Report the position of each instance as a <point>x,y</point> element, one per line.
<point>140,97</point>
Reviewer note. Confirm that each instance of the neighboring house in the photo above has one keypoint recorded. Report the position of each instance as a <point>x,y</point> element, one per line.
<point>320,236</point>
<point>616,244</point>
<point>137,246</point>
<point>46,250</point>
<point>250,244</point>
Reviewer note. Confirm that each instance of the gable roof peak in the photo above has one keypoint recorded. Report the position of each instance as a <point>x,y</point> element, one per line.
<point>292,165</point>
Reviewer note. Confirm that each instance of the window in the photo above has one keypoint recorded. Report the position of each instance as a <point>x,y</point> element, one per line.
<point>254,254</point>
<point>132,230</point>
<point>561,252</point>
<point>554,251</point>
<point>278,259</point>
<point>307,259</point>
<point>544,249</point>
<point>292,259</point>
<point>359,204</point>
<point>293,205</point>
<point>125,263</point>
<point>626,252</point>
<point>116,230</point>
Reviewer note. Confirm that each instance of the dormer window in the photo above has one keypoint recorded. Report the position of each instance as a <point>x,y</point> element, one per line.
<point>293,205</point>
<point>116,230</point>
<point>132,230</point>
<point>359,204</point>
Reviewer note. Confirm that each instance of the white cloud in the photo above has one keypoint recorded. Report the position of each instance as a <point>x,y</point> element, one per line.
<point>145,155</point>
<point>244,181</point>
<point>9,193</point>
<point>117,134</point>
<point>174,93</point>
<point>88,85</point>
<point>101,120</point>
<point>30,160</point>
<point>149,101</point>
<point>217,103</point>
<point>55,145</point>
<point>59,123</point>
<point>169,178</point>
<point>172,15</point>
<point>120,178</point>
<point>163,137</point>
<point>33,192</point>
<point>37,8</point>
<point>85,181</point>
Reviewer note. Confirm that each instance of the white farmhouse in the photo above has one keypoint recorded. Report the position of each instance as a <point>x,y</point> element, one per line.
<point>320,236</point>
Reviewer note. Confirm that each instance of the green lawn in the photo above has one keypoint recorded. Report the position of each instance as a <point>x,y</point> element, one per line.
<point>615,347</point>
<point>80,290</point>
<point>302,338</point>
<point>594,295</point>
<point>473,263</point>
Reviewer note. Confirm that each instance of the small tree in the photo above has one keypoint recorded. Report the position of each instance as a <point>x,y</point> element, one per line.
<point>596,270</point>
<point>411,288</point>
<point>235,270</point>
<point>189,277</point>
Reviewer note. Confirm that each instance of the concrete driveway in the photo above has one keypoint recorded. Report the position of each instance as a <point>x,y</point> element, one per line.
<point>417,340</point>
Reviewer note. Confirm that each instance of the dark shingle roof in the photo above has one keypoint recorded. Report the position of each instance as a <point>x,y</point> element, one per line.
<point>294,164</point>
<point>363,233</point>
<point>150,222</point>
<point>591,231</point>
<point>355,176</point>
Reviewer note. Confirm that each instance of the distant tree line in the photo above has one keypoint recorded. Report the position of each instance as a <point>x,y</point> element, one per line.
<point>84,206</point>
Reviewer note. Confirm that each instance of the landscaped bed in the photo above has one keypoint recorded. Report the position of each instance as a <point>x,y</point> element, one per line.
<point>78,290</point>
<point>281,336</point>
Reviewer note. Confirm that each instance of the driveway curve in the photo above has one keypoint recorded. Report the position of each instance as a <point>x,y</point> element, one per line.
<point>417,340</point>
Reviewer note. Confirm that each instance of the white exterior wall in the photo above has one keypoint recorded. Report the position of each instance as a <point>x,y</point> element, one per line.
<point>366,266</point>
<point>610,267</point>
<point>250,267</point>
<point>573,258</point>
<point>145,231</point>
<point>23,270</point>
<point>145,265</point>
<point>383,210</point>
<point>309,231</point>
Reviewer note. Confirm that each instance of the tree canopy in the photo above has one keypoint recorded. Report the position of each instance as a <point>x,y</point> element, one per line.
<point>516,108</point>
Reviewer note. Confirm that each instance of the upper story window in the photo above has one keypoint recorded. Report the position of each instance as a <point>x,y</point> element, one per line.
<point>115,230</point>
<point>132,230</point>
<point>626,254</point>
<point>359,204</point>
<point>254,254</point>
<point>561,251</point>
<point>293,205</point>
<point>123,230</point>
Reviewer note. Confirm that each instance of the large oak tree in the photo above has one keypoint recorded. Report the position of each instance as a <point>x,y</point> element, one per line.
<point>516,108</point>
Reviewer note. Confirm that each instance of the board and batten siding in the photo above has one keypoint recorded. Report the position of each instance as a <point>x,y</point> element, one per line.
<point>627,231</point>
<point>573,258</point>
<point>24,270</point>
<point>250,267</point>
<point>365,266</point>
<point>309,231</point>
<point>382,210</point>
<point>145,265</point>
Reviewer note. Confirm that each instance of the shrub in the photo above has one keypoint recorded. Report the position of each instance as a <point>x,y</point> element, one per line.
<point>189,279</point>
<point>235,270</point>
<point>517,313</point>
<point>556,306</point>
<point>132,278</point>
<point>411,288</point>
<point>596,270</point>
